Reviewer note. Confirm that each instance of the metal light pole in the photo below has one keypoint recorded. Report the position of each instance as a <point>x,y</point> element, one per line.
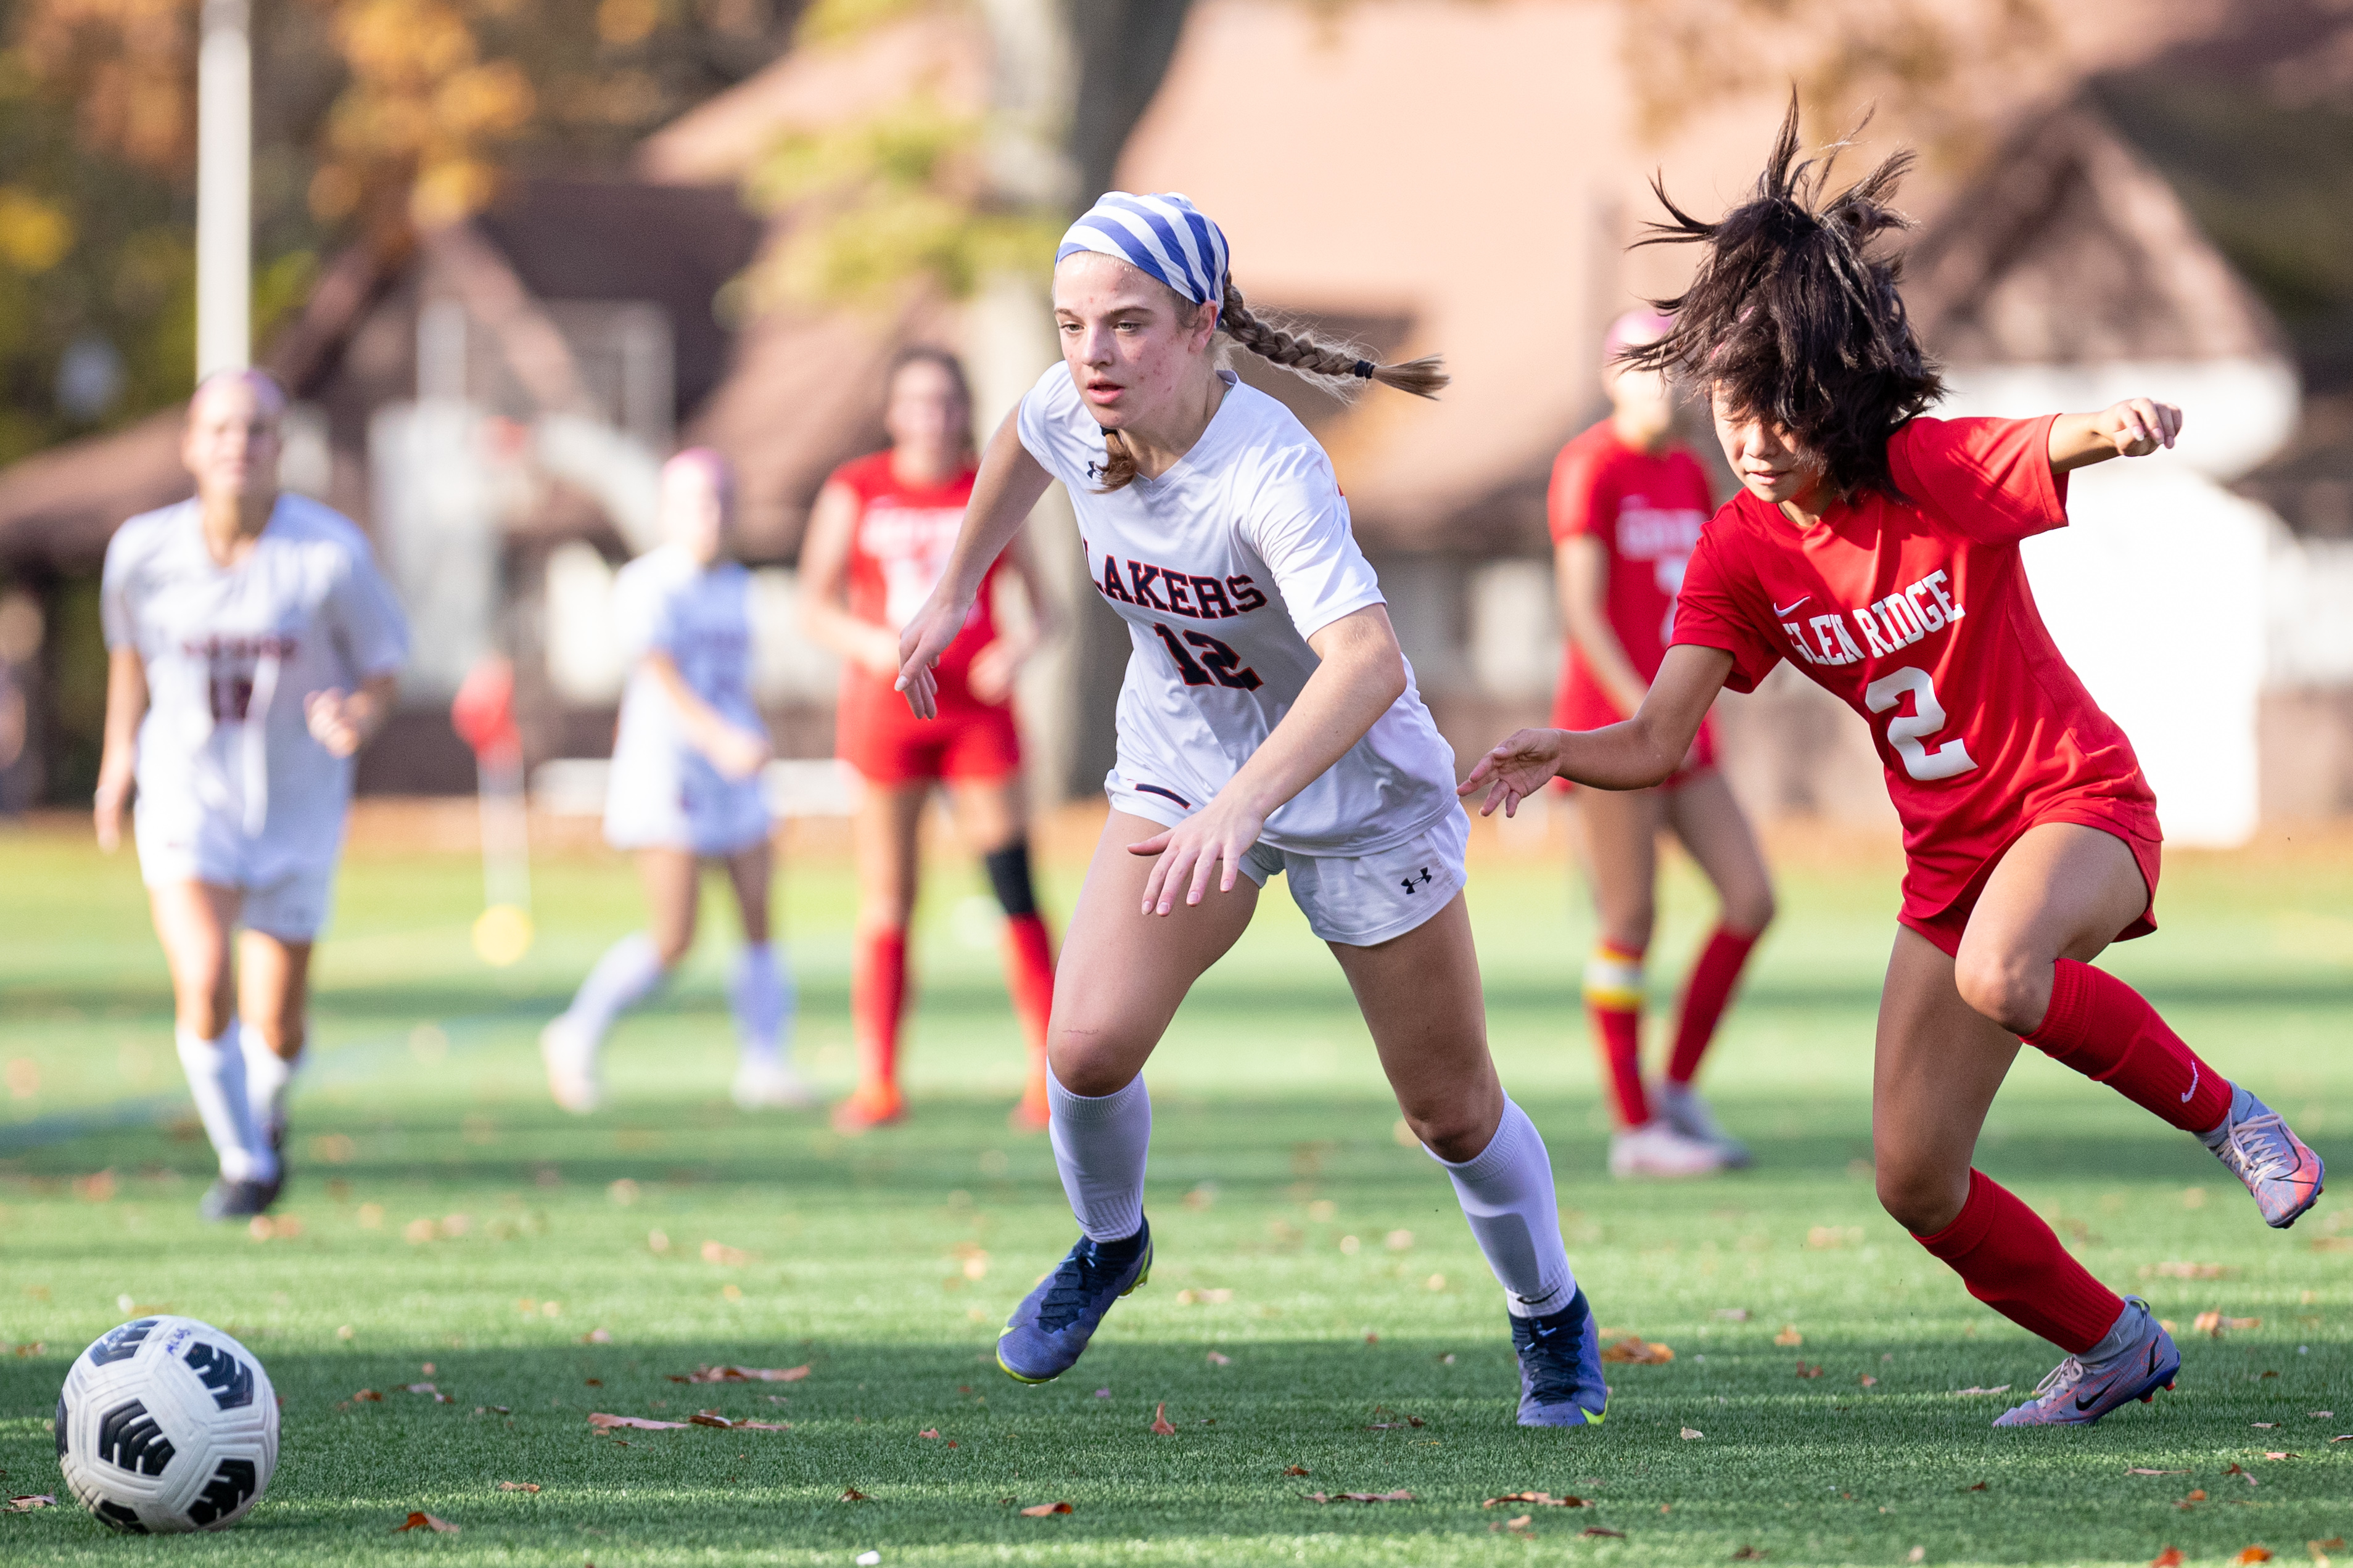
<point>224,188</point>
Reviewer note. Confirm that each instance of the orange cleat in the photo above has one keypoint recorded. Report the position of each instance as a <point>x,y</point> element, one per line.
<point>1035,1113</point>
<point>870,1106</point>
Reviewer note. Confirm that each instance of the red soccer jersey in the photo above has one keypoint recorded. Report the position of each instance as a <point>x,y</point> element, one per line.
<point>899,549</point>
<point>1647,508</point>
<point>1917,615</point>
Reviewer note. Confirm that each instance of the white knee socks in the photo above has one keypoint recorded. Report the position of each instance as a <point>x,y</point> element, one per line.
<point>1099,1148</point>
<point>216,1070</point>
<point>1506,1194</point>
<point>266,1076</point>
<point>761,992</point>
<point>627,974</point>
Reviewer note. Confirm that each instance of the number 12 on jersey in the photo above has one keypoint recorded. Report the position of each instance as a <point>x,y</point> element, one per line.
<point>1906,730</point>
<point>1218,662</point>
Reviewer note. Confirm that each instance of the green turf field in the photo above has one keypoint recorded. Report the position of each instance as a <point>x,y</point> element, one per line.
<point>1318,1303</point>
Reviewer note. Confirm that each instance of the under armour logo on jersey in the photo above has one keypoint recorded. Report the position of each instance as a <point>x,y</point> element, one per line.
<point>1094,470</point>
<point>1415,882</point>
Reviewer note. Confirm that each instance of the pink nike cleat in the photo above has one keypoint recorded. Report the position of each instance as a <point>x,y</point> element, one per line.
<point>2284,1175</point>
<point>2076,1396</point>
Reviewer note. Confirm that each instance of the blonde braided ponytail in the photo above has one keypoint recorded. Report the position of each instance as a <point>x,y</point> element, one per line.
<point>1335,367</point>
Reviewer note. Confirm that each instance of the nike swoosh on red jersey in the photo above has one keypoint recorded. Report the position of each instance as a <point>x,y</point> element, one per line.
<point>1784,609</point>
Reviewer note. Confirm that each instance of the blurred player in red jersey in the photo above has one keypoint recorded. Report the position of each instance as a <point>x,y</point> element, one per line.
<point>1627,504</point>
<point>879,539</point>
<point>1880,549</point>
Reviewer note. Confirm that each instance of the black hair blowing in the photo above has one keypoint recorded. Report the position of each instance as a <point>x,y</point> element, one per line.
<point>1790,317</point>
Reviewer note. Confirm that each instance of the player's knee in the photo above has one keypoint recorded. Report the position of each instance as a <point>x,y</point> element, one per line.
<point>2008,987</point>
<point>1629,926</point>
<point>1009,878</point>
<point>1921,1197</point>
<point>670,947</point>
<point>1750,911</point>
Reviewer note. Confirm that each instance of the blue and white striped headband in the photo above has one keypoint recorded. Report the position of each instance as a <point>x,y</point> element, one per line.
<point>1164,234</point>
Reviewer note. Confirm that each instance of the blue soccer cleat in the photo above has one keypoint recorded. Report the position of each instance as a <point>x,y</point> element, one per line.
<point>2261,1151</point>
<point>2074,1395</point>
<point>1050,1329</point>
<point>1560,1367</point>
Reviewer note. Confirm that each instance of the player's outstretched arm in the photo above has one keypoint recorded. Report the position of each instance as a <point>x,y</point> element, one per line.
<point>825,590</point>
<point>736,751</point>
<point>1640,753</point>
<point>1008,488</point>
<point>118,760</point>
<point>1360,671</point>
<point>2133,429</point>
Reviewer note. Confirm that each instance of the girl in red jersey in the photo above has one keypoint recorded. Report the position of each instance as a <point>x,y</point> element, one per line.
<point>879,536</point>
<point>1627,504</point>
<point>1879,550</point>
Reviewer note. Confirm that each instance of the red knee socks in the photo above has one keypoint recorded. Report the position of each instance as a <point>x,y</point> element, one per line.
<point>878,992</point>
<point>1705,994</point>
<point>1613,1001</point>
<point>2103,1029</point>
<point>1029,976</point>
<point>2011,1260</point>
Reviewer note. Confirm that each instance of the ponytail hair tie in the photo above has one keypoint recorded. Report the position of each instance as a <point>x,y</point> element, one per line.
<point>1365,368</point>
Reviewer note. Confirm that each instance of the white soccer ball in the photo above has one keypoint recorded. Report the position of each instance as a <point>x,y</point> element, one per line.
<point>167,1424</point>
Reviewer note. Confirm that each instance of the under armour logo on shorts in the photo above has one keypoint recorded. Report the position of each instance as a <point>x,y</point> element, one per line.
<point>1415,883</point>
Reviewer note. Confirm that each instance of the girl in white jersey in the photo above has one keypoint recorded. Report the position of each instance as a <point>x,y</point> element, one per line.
<point>685,788</point>
<point>1268,724</point>
<point>252,647</point>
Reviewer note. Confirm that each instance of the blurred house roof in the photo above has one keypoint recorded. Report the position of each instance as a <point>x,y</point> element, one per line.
<point>2071,249</point>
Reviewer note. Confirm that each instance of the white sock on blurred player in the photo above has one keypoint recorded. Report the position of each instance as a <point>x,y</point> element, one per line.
<point>1507,1196</point>
<point>629,973</point>
<point>1099,1147</point>
<point>266,1076</point>
<point>216,1070</point>
<point>761,992</point>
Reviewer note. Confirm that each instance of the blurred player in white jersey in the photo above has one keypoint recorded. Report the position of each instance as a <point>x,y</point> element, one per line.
<point>685,789</point>
<point>252,650</point>
<point>1268,724</point>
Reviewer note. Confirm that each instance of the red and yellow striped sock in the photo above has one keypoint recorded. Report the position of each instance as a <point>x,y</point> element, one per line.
<point>1613,1002</point>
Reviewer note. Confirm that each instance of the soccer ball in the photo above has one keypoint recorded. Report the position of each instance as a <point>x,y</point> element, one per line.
<point>167,1424</point>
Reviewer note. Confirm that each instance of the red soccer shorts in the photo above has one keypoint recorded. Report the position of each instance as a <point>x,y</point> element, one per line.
<point>1944,927</point>
<point>890,746</point>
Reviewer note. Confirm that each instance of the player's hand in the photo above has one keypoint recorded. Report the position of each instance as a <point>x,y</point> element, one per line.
<point>1525,762</point>
<point>737,753</point>
<point>1190,853</point>
<point>925,637</point>
<point>340,720</point>
<point>113,791</point>
<point>2139,425</point>
<point>990,677</point>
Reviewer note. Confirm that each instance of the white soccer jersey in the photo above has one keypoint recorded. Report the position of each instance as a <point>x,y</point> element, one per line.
<point>231,653</point>
<point>664,792</point>
<point>1223,567</point>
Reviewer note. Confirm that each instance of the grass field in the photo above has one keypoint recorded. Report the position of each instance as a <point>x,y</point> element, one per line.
<point>1316,1287</point>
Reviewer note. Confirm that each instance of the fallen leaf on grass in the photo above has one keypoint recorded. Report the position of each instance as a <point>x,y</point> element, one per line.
<point>1733,1314</point>
<point>1978,1487</point>
<point>929,1431</point>
<point>2321,1549</point>
<point>1218,1358</point>
<point>597,1337</point>
<point>518,1486</point>
<point>2239,1472</point>
<point>727,1256</point>
<point>1039,1511</point>
<point>1160,1426</point>
<point>487,1409</point>
<point>2342,1437</point>
<point>852,1494</point>
<point>2253,1554</point>
<point>742,1374</point>
<point>2207,1322</point>
<point>29,1503</point>
<point>1597,1530</point>
<point>370,1395</point>
<point>606,1422</point>
<point>1748,1554</point>
<point>1359,1497</point>
<point>2266,1426</point>
<point>1789,1338</point>
<point>1541,1499</point>
<point>1867,1380</point>
<point>1805,1371</point>
<point>1692,1433</point>
<point>1636,1349</point>
<point>2197,1494</point>
<point>1966,1393</point>
<point>2168,1558</point>
<point>438,1397</point>
<point>2283,1455</point>
<point>1518,1526</point>
<point>427,1521</point>
<point>1294,1470</point>
<point>714,1418</point>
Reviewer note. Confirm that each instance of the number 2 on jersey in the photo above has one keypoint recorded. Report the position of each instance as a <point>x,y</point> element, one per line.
<point>1906,730</point>
<point>1224,666</point>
